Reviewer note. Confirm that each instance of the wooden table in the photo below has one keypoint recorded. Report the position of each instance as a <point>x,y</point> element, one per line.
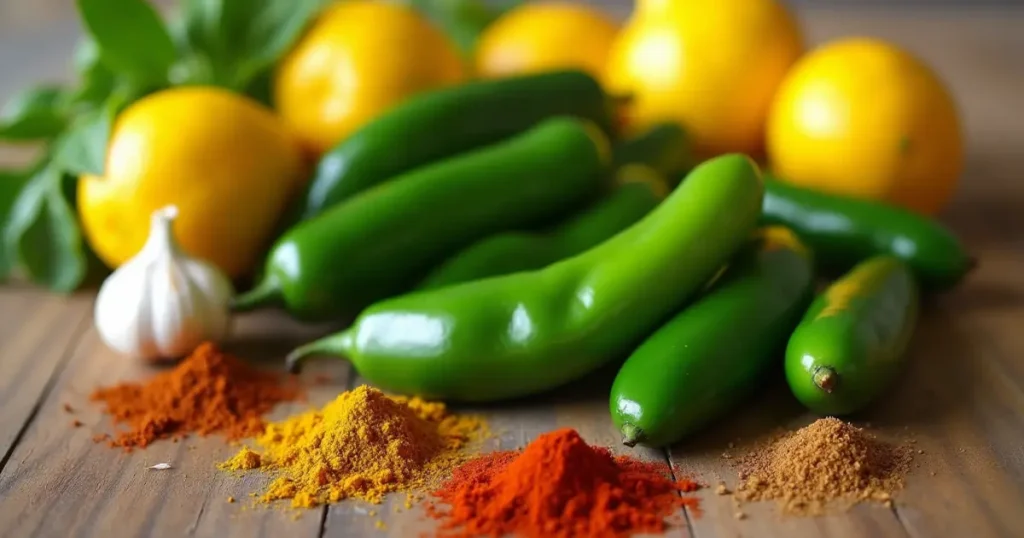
<point>962,399</point>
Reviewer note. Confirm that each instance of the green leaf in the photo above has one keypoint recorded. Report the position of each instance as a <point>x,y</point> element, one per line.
<point>96,271</point>
<point>240,40</point>
<point>261,89</point>
<point>131,37</point>
<point>96,80</point>
<point>43,234</point>
<point>83,147</point>
<point>11,183</point>
<point>34,114</point>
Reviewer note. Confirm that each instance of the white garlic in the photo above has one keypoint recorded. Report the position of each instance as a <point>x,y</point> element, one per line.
<point>162,303</point>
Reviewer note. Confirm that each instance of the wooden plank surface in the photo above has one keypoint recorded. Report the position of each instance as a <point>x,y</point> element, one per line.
<point>962,399</point>
<point>90,489</point>
<point>36,336</point>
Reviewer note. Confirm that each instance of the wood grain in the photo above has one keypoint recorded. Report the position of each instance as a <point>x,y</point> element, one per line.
<point>962,399</point>
<point>90,489</point>
<point>37,333</point>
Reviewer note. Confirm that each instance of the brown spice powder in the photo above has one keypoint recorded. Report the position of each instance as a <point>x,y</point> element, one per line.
<point>827,464</point>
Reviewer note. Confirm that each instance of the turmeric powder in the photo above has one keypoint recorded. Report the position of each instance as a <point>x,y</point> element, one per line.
<point>364,444</point>
<point>244,460</point>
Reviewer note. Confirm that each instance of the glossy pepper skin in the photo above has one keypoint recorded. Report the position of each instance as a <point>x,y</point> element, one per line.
<point>715,353</point>
<point>517,251</point>
<point>445,122</point>
<point>843,232</point>
<point>519,334</point>
<point>380,243</point>
<point>664,147</point>
<point>852,342</point>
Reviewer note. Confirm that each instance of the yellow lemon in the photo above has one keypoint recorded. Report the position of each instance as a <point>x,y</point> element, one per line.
<point>860,117</point>
<point>228,163</point>
<point>546,36</point>
<point>357,60</point>
<point>711,66</point>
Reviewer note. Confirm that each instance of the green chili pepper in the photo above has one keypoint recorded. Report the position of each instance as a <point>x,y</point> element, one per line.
<point>519,334</point>
<point>714,354</point>
<point>512,252</point>
<point>852,341</point>
<point>845,231</point>
<point>445,122</point>
<point>664,147</point>
<point>381,242</point>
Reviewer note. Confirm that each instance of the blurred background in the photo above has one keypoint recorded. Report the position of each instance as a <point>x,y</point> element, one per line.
<point>968,42</point>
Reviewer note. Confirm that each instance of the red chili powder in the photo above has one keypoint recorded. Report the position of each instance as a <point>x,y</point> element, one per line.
<point>558,487</point>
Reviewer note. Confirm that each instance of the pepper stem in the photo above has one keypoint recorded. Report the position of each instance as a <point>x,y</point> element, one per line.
<point>825,378</point>
<point>631,434</point>
<point>266,293</point>
<point>337,344</point>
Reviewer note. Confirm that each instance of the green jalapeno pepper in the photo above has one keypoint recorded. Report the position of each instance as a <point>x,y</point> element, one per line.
<point>381,242</point>
<point>664,147</point>
<point>713,354</point>
<point>844,231</point>
<point>853,339</point>
<point>519,334</point>
<point>512,252</point>
<point>439,124</point>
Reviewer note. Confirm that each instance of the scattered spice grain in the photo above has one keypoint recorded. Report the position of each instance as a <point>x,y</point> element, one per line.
<point>208,392</point>
<point>76,423</point>
<point>68,408</point>
<point>829,462</point>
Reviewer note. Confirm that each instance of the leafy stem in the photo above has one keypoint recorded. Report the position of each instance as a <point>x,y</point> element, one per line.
<point>128,53</point>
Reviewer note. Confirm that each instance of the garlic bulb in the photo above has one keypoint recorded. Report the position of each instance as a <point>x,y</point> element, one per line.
<point>162,303</point>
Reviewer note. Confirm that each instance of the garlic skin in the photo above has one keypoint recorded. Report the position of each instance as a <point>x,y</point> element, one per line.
<point>162,303</point>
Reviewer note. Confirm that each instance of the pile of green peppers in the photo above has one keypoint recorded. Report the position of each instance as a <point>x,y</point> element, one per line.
<point>498,239</point>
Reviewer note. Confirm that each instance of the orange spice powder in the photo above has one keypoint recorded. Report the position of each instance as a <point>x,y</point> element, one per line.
<point>208,392</point>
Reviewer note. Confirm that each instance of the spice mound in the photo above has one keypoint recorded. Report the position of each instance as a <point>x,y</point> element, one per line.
<point>826,463</point>
<point>558,486</point>
<point>364,444</point>
<point>208,392</point>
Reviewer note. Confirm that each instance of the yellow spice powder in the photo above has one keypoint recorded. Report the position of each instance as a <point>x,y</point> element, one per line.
<point>244,460</point>
<point>364,444</point>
